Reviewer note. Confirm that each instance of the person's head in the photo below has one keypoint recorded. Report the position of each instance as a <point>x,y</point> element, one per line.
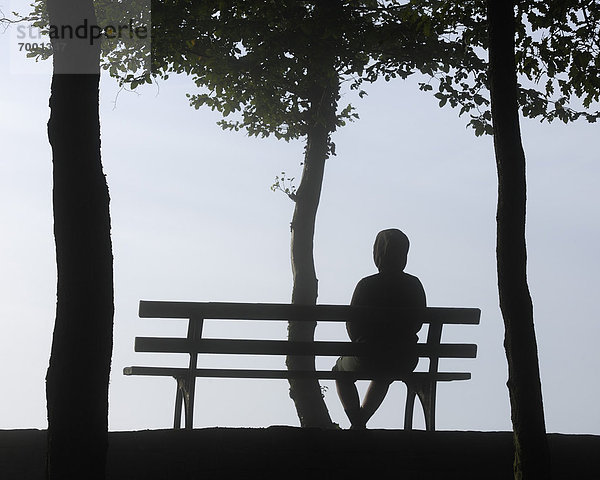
<point>390,251</point>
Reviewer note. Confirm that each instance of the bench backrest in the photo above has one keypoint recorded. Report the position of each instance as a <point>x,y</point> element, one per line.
<point>197,312</point>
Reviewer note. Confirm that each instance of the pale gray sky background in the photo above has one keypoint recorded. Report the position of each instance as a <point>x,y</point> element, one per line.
<point>194,219</point>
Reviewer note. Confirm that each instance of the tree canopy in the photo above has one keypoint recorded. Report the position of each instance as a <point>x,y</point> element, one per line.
<point>556,53</point>
<point>254,59</point>
<point>250,58</point>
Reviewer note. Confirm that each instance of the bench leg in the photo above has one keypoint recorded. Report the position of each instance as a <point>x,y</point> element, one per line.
<point>409,408</point>
<point>189,381</point>
<point>426,393</point>
<point>188,398</point>
<point>178,403</point>
<point>184,401</point>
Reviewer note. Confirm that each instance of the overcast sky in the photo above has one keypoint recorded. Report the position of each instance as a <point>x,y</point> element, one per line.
<point>193,219</point>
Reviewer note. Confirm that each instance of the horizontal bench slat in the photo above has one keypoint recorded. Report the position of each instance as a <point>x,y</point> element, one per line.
<point>276,311</point>
<point>282,347</point>
<point>282,374</point>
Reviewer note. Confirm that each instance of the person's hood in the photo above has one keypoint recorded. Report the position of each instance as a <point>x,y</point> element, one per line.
<point>390,250</point>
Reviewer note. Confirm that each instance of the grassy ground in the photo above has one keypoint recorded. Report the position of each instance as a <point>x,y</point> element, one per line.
<point>289,453</point>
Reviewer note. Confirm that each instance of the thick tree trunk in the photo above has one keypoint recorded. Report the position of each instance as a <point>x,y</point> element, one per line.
<point>78,374</point>
<point>532,459</point>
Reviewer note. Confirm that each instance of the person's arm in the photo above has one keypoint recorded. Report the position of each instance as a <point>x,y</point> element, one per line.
<point>420,294</point>
<point>420,302</point>
<point>356,329</point>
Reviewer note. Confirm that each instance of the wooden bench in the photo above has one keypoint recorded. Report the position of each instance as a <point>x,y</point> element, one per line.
<point>421,384</point>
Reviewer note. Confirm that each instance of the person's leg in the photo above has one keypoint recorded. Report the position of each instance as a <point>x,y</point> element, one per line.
<point>348,393</point>
<point>375,394</point>
<point>346,390</point>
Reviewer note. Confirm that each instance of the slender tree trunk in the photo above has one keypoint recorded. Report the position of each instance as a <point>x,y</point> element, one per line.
<point>532,459</point>
<point>306,394</point>
<point>78,374</point>
<point>322,121</point>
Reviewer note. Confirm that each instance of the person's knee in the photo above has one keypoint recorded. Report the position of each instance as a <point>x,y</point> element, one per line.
<point>380,384</point>
<point>344,383</point>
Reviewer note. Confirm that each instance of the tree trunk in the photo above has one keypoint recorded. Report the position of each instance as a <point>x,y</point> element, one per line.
<point>306,393</point>
<point>78,374</point>
<point>532,460</point>
<point>323,96</point>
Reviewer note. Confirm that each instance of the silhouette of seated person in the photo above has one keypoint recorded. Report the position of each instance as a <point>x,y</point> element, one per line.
<point>391,343</point>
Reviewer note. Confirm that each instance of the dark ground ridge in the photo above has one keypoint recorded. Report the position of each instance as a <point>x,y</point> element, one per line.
<point>282,452</point>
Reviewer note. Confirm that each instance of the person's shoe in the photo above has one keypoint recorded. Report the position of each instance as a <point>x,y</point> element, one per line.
<point>358,426</point>
<point>356,419</point>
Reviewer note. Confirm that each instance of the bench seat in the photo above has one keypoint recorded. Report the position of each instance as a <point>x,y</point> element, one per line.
<point>282,374</point>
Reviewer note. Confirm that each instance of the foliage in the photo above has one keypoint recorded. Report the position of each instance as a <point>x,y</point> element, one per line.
<point>124,55</point>
<point>563,55</point>
<point>557,55</point>
<point>286,185</point>
<point>252,59</point>
<point>249,58</point>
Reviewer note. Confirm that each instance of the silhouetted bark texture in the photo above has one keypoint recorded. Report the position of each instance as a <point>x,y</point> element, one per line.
<point>306,393</point>
<point>532,459</point>
<point>78,374</point>
<point>324,94</point>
